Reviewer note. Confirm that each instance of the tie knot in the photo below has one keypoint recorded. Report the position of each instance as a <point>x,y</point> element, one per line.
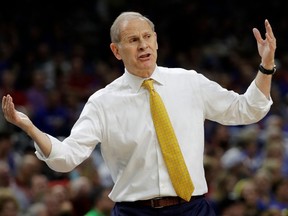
<point>148,84</point>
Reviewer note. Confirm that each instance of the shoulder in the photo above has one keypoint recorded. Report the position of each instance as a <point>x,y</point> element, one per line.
<point>179,73</point>
<point>184,77</point>
<point>176,71</point>
<point>111,89</point>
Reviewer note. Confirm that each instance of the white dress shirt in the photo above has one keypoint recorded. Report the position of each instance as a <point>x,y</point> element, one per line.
<point>118,116</point>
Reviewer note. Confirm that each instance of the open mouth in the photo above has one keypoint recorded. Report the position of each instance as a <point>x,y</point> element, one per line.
<point>144,56</point>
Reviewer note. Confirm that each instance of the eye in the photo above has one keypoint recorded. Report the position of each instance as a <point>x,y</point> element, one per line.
<point>132,40</point>
<point>147,36</point>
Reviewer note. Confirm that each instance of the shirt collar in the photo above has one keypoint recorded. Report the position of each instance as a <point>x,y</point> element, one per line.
<point>135,82</point>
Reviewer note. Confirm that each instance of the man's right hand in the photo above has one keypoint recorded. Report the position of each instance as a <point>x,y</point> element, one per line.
<point>13,116</point>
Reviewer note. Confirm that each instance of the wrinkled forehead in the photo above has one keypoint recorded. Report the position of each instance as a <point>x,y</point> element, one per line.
<point>134,23</point>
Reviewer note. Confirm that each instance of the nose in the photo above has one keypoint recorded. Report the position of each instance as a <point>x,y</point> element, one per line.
<point>143,44</point>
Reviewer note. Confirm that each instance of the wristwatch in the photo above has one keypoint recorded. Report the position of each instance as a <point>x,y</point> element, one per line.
<point>267,72</point>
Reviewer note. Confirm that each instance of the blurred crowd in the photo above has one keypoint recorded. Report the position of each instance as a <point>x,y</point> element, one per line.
<point>53,56</point>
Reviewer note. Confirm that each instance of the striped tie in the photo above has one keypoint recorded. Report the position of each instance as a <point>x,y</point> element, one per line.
<point>171,151</point>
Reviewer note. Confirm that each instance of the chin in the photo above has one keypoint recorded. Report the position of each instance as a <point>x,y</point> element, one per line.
<point>147,73</point>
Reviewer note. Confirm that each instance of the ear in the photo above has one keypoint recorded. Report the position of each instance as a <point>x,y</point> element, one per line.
<point>156,40</point>
<point>115,50</point>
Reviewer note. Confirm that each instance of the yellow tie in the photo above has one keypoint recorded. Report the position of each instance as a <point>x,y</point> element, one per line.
<point>171,151</point>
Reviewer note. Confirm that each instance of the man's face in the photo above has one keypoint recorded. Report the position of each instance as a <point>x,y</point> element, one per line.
<point>137,47</point>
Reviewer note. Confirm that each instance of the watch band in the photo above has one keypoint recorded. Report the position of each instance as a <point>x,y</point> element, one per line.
<point>265,71</point>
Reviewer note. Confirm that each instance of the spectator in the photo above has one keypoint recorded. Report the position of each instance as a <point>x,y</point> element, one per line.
<point>262,179</point>
<point>280,196</point>
<point>37,209</point>
<point>21,186</point>
<point>36,93</point>
<point>8,153</point>
<point>8,203</point>
<point>39,187</point>
<point>80,190</point>
<point>102,205</point>
<point>246,190</point>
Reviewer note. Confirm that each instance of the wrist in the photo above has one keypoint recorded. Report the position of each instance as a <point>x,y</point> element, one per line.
<point>269,65</point>
<point>268,70</point>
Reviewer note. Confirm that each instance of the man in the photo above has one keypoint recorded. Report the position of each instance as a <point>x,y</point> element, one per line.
<point>119,117</point>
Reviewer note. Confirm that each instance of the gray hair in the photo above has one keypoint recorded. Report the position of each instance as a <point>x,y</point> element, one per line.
<point>125,16</point>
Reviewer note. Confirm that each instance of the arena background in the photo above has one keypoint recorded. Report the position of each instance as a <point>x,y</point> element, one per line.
<point>54,54</point>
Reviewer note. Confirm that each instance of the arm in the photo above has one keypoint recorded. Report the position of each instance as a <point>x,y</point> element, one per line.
<point>266,49</point>
<point>22,121</point>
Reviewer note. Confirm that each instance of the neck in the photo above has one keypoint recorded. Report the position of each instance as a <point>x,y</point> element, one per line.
<point>145,73</point>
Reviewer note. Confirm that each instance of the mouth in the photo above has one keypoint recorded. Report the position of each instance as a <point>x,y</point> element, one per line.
<point>145,56</point>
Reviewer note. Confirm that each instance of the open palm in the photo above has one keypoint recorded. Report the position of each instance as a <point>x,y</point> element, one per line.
<point>13,116</point>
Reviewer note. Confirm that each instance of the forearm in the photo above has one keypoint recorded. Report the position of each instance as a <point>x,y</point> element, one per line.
<point>263,82</point>
<point>41,139</point>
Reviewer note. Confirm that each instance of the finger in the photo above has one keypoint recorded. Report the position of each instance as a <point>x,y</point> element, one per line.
<point>10,103</point>
<point>257,35</point>
<point>10,107</point>
<point>268,28</point>
<point>271,41</point>
<point>3,102</point>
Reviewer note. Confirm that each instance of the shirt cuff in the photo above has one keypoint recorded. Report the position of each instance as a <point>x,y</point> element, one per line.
<point>256,98</point>
<point>40,154</point>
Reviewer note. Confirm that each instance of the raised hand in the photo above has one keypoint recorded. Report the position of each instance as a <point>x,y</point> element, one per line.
<point>267,46</point>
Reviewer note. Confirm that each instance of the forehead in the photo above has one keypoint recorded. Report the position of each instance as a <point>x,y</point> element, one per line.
<point>134,26</point>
